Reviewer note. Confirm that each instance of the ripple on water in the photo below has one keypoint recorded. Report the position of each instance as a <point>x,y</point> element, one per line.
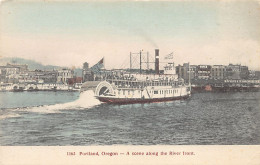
<point>206,118</point>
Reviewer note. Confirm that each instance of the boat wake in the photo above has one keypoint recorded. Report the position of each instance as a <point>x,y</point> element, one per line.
<point>8,115</point>
<point>86,100</point>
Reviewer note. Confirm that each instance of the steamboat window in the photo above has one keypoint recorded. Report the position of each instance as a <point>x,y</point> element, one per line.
<point>128,92</point>
<point>123,92</point>
<point>155,92</point>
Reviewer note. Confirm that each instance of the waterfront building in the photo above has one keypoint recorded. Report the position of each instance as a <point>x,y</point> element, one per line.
<point>64,75</point>
<point>87,75</point>
<point>236,72</point>
<point>39,76</point>
<point>182,71</point>
<point>244,72</point>
<point>252,74</point>
<point>193,72</point>
<point>49,76</point>
<point>187,70</point>
<point>74,80</point>
<point>9,74</point>
<point>22,67</point>
<point>257,75</point>
<point>204,72</point>
<point>217,72</point>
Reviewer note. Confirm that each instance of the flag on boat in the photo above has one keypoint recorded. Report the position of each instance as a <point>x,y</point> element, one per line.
<point>97,67</point>
<point>169,56</point>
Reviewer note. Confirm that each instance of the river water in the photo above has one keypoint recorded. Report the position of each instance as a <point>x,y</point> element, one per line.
<point>70,118</point>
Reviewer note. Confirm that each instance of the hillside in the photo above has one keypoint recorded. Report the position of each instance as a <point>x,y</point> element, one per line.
<point>32,65</point>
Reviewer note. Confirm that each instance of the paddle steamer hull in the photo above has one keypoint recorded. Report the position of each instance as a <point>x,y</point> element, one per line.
<point>109,93</point>
<point>139,100</point>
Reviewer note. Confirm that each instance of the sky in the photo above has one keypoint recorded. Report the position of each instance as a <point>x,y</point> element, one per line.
<point>71,33</point>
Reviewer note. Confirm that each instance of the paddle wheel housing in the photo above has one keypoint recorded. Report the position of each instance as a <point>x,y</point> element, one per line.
<point>104,89</point>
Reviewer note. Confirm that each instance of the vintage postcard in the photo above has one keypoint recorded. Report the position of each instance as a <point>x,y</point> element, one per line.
<point>129,82</point>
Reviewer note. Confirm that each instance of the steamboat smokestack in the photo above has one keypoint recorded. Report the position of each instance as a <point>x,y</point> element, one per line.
<point>157,61</point>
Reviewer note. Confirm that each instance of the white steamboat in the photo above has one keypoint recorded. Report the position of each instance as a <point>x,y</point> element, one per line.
<point>133,90</point>
<point>142,88</point>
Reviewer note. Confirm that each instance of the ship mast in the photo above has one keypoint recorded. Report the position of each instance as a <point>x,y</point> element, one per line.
<point>189,73</point>
<point>141,58</point>
<point>147,62</point>
<point>189,77</point>
<point>140,62</point>
<point>130,63</point>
